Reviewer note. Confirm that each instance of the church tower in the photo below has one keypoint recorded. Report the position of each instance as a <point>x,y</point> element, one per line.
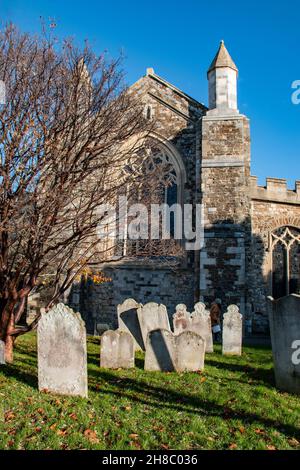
<point>225,172</point>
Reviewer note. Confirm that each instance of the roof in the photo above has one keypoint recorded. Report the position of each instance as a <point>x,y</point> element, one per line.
<point>222,59</point>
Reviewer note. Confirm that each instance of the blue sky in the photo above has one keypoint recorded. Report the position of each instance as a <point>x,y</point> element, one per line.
<point>179,40</point>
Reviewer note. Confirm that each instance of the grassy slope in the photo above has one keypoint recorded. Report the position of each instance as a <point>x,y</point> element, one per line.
<point>232,405</point>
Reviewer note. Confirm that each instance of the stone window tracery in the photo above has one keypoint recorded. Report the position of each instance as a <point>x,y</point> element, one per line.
<point>285,250</point>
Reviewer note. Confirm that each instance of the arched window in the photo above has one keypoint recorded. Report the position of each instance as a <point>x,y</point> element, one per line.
<point>285,250</point>
<point>164,185</point>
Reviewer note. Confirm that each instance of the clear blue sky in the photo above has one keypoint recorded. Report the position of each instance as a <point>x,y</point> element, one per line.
<point>180,38</point>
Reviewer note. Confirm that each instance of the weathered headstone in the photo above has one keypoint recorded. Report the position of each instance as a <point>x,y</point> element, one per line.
<point>167,352</point>
<point>181,319</point>
<point>232,331</point>
<point>190,351</point>
<point>128,321</point>
<point>201,324</point>
<point>160,351</point>
<point>62,356</point>
<point>152,316</point>
<point>2,352</point>
<point>284,319</point>
<point>117,350</point>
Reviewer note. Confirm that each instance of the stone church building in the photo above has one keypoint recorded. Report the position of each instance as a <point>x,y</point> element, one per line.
<point>251,233</point>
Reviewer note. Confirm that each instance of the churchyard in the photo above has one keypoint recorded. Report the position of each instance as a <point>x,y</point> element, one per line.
<point>232,404</point>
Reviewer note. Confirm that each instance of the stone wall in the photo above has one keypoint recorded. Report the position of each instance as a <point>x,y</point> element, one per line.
<point>145,283</point>
<point>272,206</point>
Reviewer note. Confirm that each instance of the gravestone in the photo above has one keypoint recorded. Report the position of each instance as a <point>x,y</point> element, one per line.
<point>284,319</point>
<point>232,331</point>
<point>190,351</point>
<point>152,316</point>
<point>62,356</point>
<point>181,319</point>
<point>2,352</point>
<point>128,321</point>
<point>160,351</point>
<point>201,324</point>
<point>117,350</point>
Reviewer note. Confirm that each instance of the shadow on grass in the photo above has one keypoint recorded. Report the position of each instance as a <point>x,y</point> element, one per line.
<point>258,374</point>
<point>179,401</point>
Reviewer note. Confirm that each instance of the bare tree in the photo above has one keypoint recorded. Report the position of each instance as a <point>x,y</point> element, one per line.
<point>62,133</point>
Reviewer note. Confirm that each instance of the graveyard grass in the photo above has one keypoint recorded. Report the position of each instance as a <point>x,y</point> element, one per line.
<point>233,404</point>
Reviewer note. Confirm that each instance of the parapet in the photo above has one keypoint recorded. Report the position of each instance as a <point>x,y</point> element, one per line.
<point>275,190</point>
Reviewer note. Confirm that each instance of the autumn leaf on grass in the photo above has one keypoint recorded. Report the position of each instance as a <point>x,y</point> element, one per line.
<point>91,436</point>
<point>203,379</point>
<point>242,429</point>
<point>53,426</point>
<point>9,416</point>
<point>233,446</point>
<point>133,436</point>
<point>271,448</point>
<point>165,446</point>
<point>73,416</point>
<point>61,432</point>
<point>259,431</point>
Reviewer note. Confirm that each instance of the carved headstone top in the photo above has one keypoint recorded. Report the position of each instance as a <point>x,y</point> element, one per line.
<point>153,316</point>
<point>181,319</point>
<point>232,316</point>
<point>200,311</point>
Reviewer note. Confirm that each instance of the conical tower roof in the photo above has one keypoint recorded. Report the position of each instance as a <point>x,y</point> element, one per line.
<point>222,59</point>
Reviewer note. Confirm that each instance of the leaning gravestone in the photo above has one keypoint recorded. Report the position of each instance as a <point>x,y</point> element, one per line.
<point>190,352</point>
<point>167,352</point>
<point>284,319</point>
<point>2,352</point>
<point>117,350</point>
<point>62,356</point>
<point>160,351</point>
<point>152,316</point>
<point>232,331</point>
<point>181,319</point>
<point>201,324</point>
<point>128,321</point>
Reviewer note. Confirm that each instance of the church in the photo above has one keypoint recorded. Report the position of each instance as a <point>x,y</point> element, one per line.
<point>251,245</point>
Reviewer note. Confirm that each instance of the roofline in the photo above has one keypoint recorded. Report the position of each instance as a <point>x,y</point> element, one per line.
<point>150,73</point>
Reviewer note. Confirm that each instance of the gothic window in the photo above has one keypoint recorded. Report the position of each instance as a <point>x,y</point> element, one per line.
<point>163,186</point>
<point>285,248</point>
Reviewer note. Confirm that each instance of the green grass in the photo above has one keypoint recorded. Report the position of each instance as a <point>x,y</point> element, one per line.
<point>233,404</point>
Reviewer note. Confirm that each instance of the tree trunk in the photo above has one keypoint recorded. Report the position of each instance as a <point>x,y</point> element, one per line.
<point>9,349</point>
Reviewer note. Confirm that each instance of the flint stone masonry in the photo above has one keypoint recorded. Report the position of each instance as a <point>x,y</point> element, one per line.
<point>190,352</point>
<point>181,319</point>
<point>128,321</point>
<point>201,324</point>
<point>117,350</point>
<point>232,332</point>
<point>62,355</point>
<point>153,316</point>
<point>2,352</point>
<point>284,317</point>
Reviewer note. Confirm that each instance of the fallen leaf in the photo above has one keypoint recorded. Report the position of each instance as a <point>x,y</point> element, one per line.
<point>53,426</point>
<point>91,436</point>
<point>165,446</point>
<point>233,446</point>
<point>133,436</point>
<point>242,429</point>
<point>73,416</point>
<point>271,448</point>
<point>61,432</point>
<point>203,379</point>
